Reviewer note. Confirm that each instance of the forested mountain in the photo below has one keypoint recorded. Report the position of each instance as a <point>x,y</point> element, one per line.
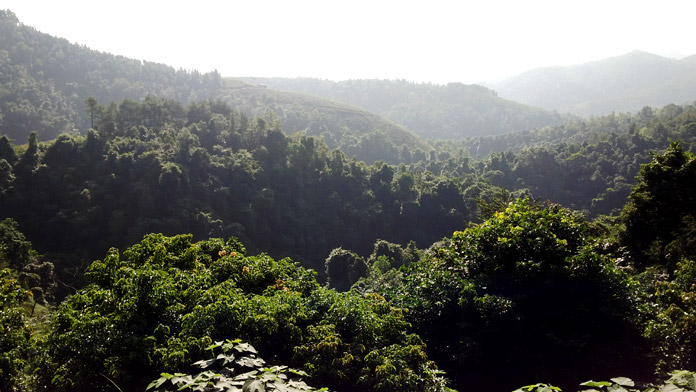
<point>206,169</point>
<point>451,111</point>
<point>45,81</point>
<point>618,84</point>
<point>355,131</point>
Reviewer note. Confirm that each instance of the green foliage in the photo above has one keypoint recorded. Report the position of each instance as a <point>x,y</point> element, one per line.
<point>363,342</point>
<point>46,81</point>
<point>159,306</point>
<point>673,326</point>
<point>659,218</point>
<point>34,273</point>
<point>206,169</point>
<point>538,388</point>
<point>15,334</point>
<point>530,287</point>
<point>236,368</point>
<point>344,268</point>
<point>679,381</point>
<point>356,132</point>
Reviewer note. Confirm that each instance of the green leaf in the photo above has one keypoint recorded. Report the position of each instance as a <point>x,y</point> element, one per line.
<point>227,386</point>
<point>157,383</point>
<point>616,388</point>
<point>250,362</point>
<point>253,386</point>
<point>204,363</point>
<point>301,385</point>
<point>247,375</point>
<point>624,381</point>
<point>597,384</point>
<point>225,358</point>
<point>538,388</point>
<point>671,388</point>
<point>684,378</point>
<point>245,347</point>
<point>298,372</point>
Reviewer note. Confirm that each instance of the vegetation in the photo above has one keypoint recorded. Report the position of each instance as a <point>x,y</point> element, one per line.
<point>235,373</point>
<point>559,255</point>
<point>161,305</point>
<point>681,380</point>
<point>363,134</point>
<point>530,287</point>
<point>45,82</point>
<point>451,112</point>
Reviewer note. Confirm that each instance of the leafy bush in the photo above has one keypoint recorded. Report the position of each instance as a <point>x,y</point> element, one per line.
<point>15,334</point>
<point>235,369</point>
<point>532,288</point>
<point>679,381</point>
<point>160,306</point>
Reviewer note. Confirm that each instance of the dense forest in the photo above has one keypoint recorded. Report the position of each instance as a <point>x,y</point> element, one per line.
<point>174,236</point>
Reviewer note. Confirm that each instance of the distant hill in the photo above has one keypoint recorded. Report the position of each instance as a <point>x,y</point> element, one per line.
<point>618,84</point>
<point>432,111</point>
<point>355,131</point>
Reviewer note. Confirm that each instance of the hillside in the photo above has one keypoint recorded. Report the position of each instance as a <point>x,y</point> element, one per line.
<point>451,111</point>
<point>624,83</point>
<point>45,81</point>
<point>355,131</point>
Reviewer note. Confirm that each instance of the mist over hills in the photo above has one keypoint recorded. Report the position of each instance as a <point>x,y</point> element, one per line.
<point>432,111</point>
<point>623,83</point>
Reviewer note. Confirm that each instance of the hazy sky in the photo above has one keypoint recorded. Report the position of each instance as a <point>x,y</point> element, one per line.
<point>423,41</point>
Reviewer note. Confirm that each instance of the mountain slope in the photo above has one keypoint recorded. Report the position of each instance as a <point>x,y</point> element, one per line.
<point>45,81</point>
<point>617,84</point>
<point>355,131</point>
<point>452,111</point>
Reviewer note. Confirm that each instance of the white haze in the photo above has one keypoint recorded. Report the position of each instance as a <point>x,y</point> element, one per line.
<point>425,41</point>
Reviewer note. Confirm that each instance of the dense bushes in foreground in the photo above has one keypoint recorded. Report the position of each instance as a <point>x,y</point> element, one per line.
<point>163,302</point>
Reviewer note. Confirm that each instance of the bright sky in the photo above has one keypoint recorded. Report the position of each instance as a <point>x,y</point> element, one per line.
<point>423,41</point>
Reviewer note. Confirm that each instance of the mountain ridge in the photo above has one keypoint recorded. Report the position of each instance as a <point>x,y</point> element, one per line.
<point>46,80</point>
<point>624,83</point>
<point>432,111</point>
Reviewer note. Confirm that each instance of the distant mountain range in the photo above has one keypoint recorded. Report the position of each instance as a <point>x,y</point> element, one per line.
<point>45,81</point>
<point>453,111</point>
<point>624,83</point>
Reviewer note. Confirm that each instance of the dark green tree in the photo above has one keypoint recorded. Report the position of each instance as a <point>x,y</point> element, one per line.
<point>659,218</point>
<point>344,268</point>
<point>530,288</point>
